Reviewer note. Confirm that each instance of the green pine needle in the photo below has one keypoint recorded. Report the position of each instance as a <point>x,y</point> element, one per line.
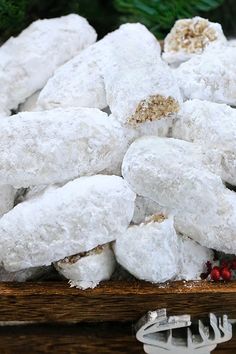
<point>160,15</point>
<point>12,12</point>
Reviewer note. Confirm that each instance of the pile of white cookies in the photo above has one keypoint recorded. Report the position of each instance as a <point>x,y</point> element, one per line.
<point>119,152</point>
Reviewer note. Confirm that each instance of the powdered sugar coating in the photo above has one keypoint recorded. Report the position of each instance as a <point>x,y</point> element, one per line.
<point>115,72</point>
<point>3,113</point>
<point>78,83</point>
<point>57,145</point>
<point>210,76</point>
<point>27,61</point>
<point>33,192</point>
<point>7,196</point>
<point>30,103</point>
<point>145,207</point>
<point>136,79</point>
<point>169,172</point>
<point>149,251</point>
<point>192,258</point>
<point>89,270</point>
<point>22,275</point>
<point>189,37</point>
<point>213,126</point>
<point>75,218</point>
<point>160,127</point>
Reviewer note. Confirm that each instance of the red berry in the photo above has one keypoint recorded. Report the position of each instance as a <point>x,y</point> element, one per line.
<point>226,274</point>
<point>215,274</point>
<point>216,267</point>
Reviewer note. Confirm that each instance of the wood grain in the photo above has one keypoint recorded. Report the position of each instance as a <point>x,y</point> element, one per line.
<point>112,301</point>
<point>106,338</point>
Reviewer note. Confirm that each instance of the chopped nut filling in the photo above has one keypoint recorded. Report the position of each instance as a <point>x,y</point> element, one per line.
<point>154,108</point>
<point>155,218</point>
<point>190,36</point>
<point>76,257</point>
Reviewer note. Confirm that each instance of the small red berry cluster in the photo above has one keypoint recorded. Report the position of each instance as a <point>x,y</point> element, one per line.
<point>224,271</point>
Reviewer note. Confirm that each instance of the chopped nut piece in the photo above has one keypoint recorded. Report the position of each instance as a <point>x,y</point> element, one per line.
<point>155,218</point>
<point>189,37</point>
<point>144,207</point>
<point>154,108</point>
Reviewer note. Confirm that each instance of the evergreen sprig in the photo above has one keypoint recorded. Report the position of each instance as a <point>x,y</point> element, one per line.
<point>15,15</point>
<point>160,15</point>
<point>12,15</point>
<point>105,15</point>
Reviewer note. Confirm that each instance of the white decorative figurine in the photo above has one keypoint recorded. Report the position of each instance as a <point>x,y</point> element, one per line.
<point>160,334</point>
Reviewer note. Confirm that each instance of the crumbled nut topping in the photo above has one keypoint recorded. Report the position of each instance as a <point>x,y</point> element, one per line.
<point>190,36</point>
<point>76,257</point>
<point>154,108</point>
<point>155,218</point>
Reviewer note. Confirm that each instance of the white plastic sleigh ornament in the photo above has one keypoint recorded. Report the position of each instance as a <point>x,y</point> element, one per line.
<point>161,334</point>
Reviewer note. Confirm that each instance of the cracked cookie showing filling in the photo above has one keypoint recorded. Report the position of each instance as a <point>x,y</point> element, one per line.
<point>75,218</point>
<point>191,36</point>
<point>144,249</point>
<point>88,269</point>
<point>179,176</point>
<point>154,108</point>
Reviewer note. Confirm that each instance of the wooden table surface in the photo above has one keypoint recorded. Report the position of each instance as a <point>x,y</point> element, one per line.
<point>68,320</point>
<point>112,301</point>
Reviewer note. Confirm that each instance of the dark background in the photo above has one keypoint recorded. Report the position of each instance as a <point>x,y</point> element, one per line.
<point>106,15</point>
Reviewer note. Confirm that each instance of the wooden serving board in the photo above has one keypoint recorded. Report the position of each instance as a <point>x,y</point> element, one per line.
<point>68,320</point>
